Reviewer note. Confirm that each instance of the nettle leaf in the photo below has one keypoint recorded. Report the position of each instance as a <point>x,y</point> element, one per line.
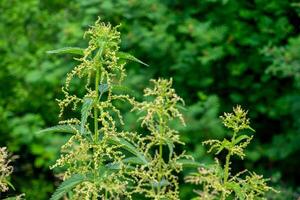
<point>68,50</point>
<point>171,148</point>
<point>60,129</point>
<point>85,111</point>
<point>119,166</point>
<point>133,160</point>
<point>109,168</point>
<point>127,56</point>
<point>225,144</point>
<point>189,163</point>
<point>103,88</point>
<point>67,186</point>
<point>9,183</point>
<point>170,145</point>
<point>240,138</point>
<point>12,198</point>
<point>129,147</point>
<point>112,166</point>
<point>106,170</point>
<point>123,89</point>
<point>160,184</point>
<point>237,189</point>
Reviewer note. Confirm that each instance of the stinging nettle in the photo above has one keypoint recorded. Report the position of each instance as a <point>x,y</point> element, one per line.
<point>216,180</point>
<point>93,158</point>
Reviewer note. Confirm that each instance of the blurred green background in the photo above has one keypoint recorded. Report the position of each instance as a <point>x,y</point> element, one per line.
<point>219,52</point>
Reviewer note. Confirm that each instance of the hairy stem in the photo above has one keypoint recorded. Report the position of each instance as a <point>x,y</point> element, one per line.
<point>94,197</point>
<point>226,172</point>
<point>96,132</point>
<point>160,153</point>
<point>226,168</point>
<point>161,157</point>
<point>98,58</point>
<point>95,108</point>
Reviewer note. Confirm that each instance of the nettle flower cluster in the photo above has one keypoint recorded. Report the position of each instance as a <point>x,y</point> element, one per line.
<point>101,161</point>
<point>217,182</point>
<point>5,170</point>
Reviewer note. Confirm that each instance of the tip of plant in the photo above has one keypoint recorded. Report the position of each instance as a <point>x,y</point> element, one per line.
<point>251,129</point>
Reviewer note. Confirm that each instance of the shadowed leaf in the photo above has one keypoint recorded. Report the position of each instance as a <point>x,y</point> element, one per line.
<point>67,186</point>
<point>86,107</point>
<point>127,56</point>
<point>60,129</point>
<point>129,147</point>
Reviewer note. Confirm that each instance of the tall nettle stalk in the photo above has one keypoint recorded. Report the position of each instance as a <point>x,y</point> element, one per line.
<point>157,179</point>
<point>93,157</point>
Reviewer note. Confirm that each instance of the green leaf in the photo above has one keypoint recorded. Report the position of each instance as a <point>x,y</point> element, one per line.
<point>60,129</point>
<point>67,50</point>
<point>67,186</point>
<point>11,185</point>
<point>85,110</point>
<point>240,138</point>
<point>129,147</point>
<point>171,147</point>
<point>188,163</point>
<point>117,166</point>
<point>133,160</point>
<point>11,198</point>
<point>160,184</point>
<point>237,189</point>
<point>127,56</point>
<point>123,89</point>
<point>112,166</point>
<point>103,88</point>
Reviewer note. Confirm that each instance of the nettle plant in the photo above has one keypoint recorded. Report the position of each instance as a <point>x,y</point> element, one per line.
<point>100,160</point>
<point>92,158</point>
<point>217,182</point>
<point>156,178</point>
<point>6,170</point>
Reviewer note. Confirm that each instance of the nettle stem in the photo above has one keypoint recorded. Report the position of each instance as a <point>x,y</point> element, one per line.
<point>95,197</point>
<point>227,163</point>
<point>106,195</point>
<point>226,172</point>
<point>161,130</point>
<point>161,159</point>
<point>95,107</point>
<point>98,59</point>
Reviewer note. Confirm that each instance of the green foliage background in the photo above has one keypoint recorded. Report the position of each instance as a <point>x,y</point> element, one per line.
<point>219,52</point>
